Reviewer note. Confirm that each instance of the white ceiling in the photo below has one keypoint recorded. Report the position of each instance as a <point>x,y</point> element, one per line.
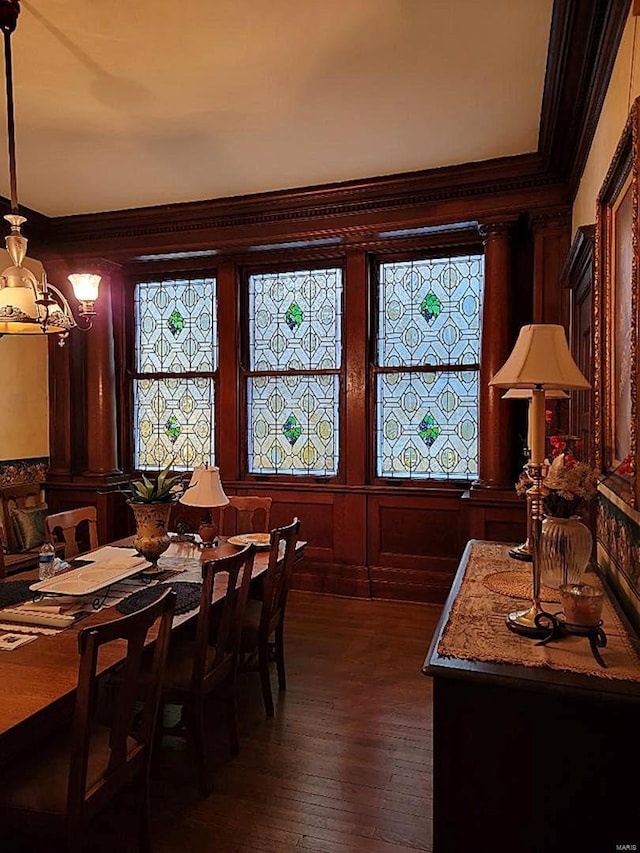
<point>121,104</point>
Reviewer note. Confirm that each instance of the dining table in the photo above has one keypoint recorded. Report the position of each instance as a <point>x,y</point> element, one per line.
<point>38,680</point>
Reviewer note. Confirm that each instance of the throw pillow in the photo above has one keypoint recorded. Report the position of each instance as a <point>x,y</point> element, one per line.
<point>28,524</point>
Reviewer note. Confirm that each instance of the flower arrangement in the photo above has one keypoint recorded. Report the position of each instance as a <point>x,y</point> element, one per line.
<point>568,483</point>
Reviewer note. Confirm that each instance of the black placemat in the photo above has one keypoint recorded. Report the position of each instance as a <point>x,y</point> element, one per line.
<point>188,597</point>
<point>15,592</point>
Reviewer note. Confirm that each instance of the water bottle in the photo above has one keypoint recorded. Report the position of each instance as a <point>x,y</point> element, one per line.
<point>45,561</point>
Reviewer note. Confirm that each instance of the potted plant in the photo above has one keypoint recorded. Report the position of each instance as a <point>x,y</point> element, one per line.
<point>151,502</point>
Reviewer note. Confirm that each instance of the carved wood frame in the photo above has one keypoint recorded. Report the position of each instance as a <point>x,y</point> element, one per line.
<point>621,179</point>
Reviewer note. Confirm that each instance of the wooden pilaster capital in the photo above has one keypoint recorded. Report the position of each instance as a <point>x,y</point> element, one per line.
<point>502,230</point>
<point>552,219</point>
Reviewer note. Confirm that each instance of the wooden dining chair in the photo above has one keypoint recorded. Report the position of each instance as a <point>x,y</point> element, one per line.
<point>64,783</point>
<point>3,568</point>
<point>245,515</point>
<point>197,670</point>
<point>72,526</point>
<point>262,636</point>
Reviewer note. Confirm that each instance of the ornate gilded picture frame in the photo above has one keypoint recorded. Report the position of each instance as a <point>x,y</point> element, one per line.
<point>615,302</point>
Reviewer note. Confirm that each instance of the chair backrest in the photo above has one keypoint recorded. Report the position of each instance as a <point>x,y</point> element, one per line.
<point>23,496</point>
<point>3,569</point>
<point>123,751</point>
<point>221,626</point>
<point>278,574</point>
<point>245,515</point>
<point>68,524</point>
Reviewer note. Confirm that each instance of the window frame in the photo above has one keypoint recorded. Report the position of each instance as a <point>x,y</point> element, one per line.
<point>392,255</point>
<point>244,373</point>
<point>162,272</point>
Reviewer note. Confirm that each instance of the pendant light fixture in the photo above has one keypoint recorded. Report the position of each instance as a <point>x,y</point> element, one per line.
<point>29,304</point>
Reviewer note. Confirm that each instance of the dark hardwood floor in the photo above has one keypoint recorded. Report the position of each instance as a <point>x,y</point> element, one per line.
<point>345,765</point>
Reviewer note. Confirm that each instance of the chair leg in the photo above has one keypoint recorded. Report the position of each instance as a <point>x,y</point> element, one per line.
<point>144,815</point>
<point>232,718</point>
<point>198,739</point>
<point>279,638</point>
<point>265,679</point>
<point>75,843</point>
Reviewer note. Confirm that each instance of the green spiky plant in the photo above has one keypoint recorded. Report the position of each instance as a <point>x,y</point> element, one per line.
<point>165,489</point>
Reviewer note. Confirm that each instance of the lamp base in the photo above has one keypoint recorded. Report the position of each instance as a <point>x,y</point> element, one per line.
<point>523,622</point>
<point>207,532</point>
<point>521,552</point>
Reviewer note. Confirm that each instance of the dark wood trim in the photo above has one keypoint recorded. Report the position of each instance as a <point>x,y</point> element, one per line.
<point>580,257</point>
<point>577,280</point>
<point>584,41</point>
<point>228,375</point>
<point>355,351</point>
<point>355,209</point>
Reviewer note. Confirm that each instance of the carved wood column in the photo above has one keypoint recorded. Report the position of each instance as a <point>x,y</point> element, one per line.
<point>63,401</point>
<point>551,231</point>
<point>496,439</point>
<point>229,444</point>
<point>100,383</point>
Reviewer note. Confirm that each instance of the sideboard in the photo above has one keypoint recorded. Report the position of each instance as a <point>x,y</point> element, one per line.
<point>529,757</point>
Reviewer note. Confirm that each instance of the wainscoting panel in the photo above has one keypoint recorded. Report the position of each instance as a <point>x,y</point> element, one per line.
<point>414,545</point>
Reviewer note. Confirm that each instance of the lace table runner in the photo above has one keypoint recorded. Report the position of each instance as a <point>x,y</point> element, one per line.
<point>476,628</point>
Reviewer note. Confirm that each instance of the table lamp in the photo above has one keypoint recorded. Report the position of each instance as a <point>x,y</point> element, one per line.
<point>540,361</point>
<point>205,490</point>
<point>525,550</point>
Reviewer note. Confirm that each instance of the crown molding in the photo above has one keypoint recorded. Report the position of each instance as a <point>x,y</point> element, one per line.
<point>583,44</point>
<point>336,208</point>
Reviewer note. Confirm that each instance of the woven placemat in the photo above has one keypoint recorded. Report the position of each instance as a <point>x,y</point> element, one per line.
<point>517,584</point>
<point>14,592</point>
<point>188,597</point>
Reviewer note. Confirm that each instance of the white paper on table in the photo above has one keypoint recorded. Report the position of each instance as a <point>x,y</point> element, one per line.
<point>36,617</point>
<point>8,642</point>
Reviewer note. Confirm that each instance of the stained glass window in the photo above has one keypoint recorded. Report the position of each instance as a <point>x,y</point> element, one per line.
<point>295,325</point>
<point>175,334</point>
<point>428,346</point>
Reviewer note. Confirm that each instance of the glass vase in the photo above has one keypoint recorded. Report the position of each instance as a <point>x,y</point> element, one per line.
<point>565,549</point>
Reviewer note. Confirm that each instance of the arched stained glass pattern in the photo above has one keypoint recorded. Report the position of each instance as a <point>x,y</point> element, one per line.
<point>294,376</point>
<point>428,345</point>
<point>175,334</point>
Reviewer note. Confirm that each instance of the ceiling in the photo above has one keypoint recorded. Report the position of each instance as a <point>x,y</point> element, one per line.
<point>123,104</point>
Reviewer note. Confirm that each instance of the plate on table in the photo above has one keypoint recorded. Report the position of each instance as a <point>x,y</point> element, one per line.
<point>260,540</point>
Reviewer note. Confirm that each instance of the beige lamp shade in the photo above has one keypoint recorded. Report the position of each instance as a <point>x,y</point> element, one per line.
<point>540,359</point>
<point>527,393</point>
<point>205,488</point>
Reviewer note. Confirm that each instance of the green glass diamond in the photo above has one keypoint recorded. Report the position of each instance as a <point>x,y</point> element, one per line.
<point>292,429</point>
<point>428,429</point>
<point>430,307</point>
<point>175,323</point>
<point>293,316</point>
<point>172,429</point>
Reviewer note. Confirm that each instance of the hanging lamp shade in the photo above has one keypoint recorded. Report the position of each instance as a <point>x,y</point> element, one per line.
<point>28,303</point>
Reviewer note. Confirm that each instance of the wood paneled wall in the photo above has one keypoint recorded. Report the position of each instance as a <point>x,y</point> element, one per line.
<point>365,537</point>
